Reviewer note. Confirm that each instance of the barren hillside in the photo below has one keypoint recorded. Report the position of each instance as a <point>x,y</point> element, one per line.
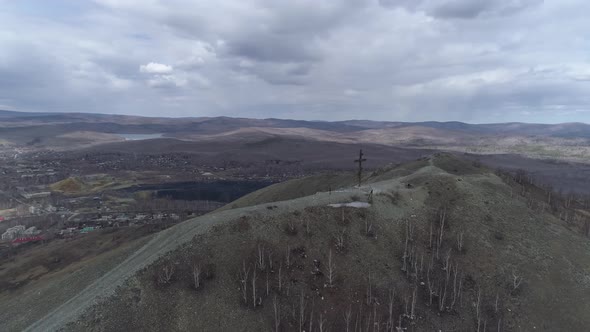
<point>441,245</point>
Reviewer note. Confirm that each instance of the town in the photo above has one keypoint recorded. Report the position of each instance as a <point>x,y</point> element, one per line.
<point>46,195</point>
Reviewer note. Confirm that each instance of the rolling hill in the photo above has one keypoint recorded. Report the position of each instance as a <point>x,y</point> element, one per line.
<point>436,244</point>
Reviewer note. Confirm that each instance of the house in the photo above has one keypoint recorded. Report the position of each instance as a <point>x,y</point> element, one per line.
<point>13,232</point>
<point>33,209</point>
<point>50,208</point>
<point>31,231</point>
<point>87,229</point>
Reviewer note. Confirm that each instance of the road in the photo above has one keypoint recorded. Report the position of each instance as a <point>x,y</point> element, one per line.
<point>161,244</point>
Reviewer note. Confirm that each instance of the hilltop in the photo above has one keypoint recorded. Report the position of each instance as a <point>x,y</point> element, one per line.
<point>444,244</point>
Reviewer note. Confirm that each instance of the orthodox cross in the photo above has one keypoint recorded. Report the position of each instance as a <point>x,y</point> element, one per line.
<point>360,162</point>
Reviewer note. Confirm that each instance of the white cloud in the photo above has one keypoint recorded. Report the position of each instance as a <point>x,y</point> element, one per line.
<point>166,81</point>
<point>470,60</point>
<point>155,68</point>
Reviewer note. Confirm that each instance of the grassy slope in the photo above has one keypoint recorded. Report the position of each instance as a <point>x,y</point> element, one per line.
<point>502,237</point>
<point>40,278</point>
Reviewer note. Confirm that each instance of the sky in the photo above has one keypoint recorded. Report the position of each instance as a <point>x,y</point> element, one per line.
<point>476,61</point>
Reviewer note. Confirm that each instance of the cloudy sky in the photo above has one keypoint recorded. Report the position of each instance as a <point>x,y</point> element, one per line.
<point>408,60</point>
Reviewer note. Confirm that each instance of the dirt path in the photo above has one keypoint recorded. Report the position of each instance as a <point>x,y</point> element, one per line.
<point>163,243</point>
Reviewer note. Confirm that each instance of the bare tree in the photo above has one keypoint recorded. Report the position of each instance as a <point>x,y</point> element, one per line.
<point>244,272</point>
<point>331,270</point>
<point>413,310</point>
<point>477,309</point>
<point>288,257</point>
<point>270,261</point>
<point>370,291</point>
<point>322,323</point>
<point>347,318</point>
<point>442,295</point>
<point>280,276</point>
<point>442,218</point>
<point>301,312</point>
<point>430,282</point>
<point>460,241</point>
<point>340,240</point>
<point>311,314</point>
<point>455,290</point>
<point>254,288</point>
<point>260,260</point>
<point>196,273</point>
<point>277,314</point>
<point>430,237</point>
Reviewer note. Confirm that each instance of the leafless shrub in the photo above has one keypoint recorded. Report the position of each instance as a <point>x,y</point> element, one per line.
<point>516,281</point>
<point>369,228</point>
<point>165,274</point>
<point>291,228</point>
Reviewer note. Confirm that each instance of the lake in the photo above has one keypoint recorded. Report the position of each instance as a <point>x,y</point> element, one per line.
<point>139,137</point>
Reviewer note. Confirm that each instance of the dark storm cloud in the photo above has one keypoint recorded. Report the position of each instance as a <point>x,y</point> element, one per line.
<point>468,9</point>
<point>472,60</point>
<point>463,8</point>
<point>272,49</point>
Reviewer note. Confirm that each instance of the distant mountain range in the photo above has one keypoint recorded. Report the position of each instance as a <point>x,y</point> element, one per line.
<point>221,124</point>
<point>59,131</point>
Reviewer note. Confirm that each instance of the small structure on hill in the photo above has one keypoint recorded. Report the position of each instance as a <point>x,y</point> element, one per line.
<point>360,162</point>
